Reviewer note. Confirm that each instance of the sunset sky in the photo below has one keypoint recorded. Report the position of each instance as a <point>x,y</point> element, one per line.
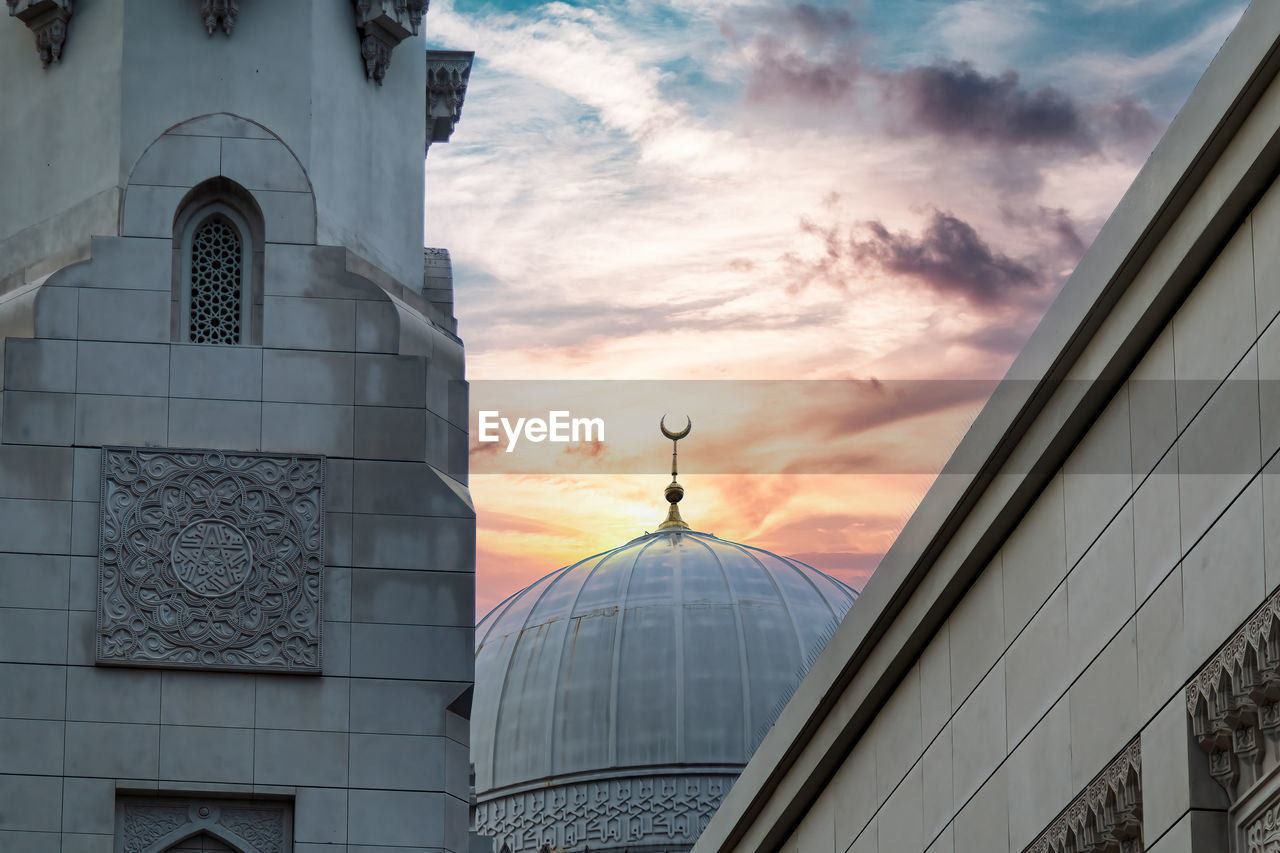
<point>889,191</point>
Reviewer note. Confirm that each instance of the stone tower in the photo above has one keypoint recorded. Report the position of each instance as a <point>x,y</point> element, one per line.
<point>236,541</point>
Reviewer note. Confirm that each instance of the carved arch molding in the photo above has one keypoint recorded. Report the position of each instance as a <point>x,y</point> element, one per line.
<point>160,824</point>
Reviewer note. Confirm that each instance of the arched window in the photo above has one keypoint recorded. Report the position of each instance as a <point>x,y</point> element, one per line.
<point>217,265</point>
<point>216,301</point>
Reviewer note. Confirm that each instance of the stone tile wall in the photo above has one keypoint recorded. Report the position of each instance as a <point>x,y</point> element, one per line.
<point>368,752</point>
<point>1149,547</point>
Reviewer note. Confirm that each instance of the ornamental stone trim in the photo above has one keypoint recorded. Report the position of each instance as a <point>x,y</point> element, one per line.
<point>604,814</point>
<point>382,25</point>
<point>47,20</point>
<point>219,15</point>
<point>210,559</point>
<point>153,824</point>
<point>1106,817</point>
<point>1261,834</point>
<point>448,72</point>
<point>1233,706</point>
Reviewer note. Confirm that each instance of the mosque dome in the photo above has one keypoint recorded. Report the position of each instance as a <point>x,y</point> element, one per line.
<point>617,699</point>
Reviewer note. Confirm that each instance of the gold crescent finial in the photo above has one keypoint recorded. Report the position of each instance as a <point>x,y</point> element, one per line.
<point>674,491</point>
<point>675,436</point>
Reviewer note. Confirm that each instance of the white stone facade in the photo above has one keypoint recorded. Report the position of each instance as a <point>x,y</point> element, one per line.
<point>236,577</point>
<point>1080,648</point>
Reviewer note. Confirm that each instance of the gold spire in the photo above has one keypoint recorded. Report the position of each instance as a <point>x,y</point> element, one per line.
<point>674,491</point>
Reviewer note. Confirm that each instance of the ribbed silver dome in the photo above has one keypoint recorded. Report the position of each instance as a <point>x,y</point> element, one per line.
<point>668,657</point>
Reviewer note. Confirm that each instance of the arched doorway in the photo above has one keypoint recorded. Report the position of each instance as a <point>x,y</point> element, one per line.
<point>202,843</point>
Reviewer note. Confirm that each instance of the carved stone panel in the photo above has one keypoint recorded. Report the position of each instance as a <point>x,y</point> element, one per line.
<point>210,559</point>
<point>1260,833</point>
<point>154,824</point>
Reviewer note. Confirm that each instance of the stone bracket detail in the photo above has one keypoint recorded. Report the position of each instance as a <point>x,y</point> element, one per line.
<point>47,20</point>
<point>1106,817</point>
<point>645,810</point>
<point>219,14</point>
<point>383,24</point>
<point>210,559</point>
<point>148,824</point>
<point>1233,703</point>
<point>448,72</point>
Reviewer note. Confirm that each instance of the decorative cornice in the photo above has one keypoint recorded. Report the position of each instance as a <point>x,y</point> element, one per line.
<point>1233,702</point>
<point>447,74</point>
<point>47,20</point>
<point>383,24</point>
<point>1107,817</point>
<point>219,14</point>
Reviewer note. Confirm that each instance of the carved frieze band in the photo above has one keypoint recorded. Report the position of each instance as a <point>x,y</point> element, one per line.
<point>1107,817</point>
<point>149,824</point>
<point>210,559</point>
<point>47,20</point>
<point>1233,703</point>
<point>382,25</point>
<point>644,810</point>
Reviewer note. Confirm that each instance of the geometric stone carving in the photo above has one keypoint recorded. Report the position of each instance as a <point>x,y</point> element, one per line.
<point>47,20</point>
<point>154,824</point>
<point>1106,817</point>
<point>447,74</point>
<point>383,24</point>
<point>1261,834</point>
<point>216,282</point>
<point>219,14</point>
<point>210,559</point>
<point>632,813</point>
<point>1233,704</point>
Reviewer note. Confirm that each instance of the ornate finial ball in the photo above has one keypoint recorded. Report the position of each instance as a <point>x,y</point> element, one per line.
<point>674,492</point>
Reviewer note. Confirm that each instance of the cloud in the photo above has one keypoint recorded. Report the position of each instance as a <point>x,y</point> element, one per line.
<point>1129,71</point>
<point>955,99</point>
<point>948,257</point>
<point>778,72</point>
<point>992,29</point>
<point>799,52</point>
<point>804,56</point>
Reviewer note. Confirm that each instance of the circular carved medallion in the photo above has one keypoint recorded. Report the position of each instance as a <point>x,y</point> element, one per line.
<point>211,557</point>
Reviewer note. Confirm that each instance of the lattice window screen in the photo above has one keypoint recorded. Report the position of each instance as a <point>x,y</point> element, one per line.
<point>216,277</point>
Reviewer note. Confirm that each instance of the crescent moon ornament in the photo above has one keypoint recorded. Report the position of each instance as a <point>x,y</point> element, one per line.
<point>675,436</point>
<point>674,491</point>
